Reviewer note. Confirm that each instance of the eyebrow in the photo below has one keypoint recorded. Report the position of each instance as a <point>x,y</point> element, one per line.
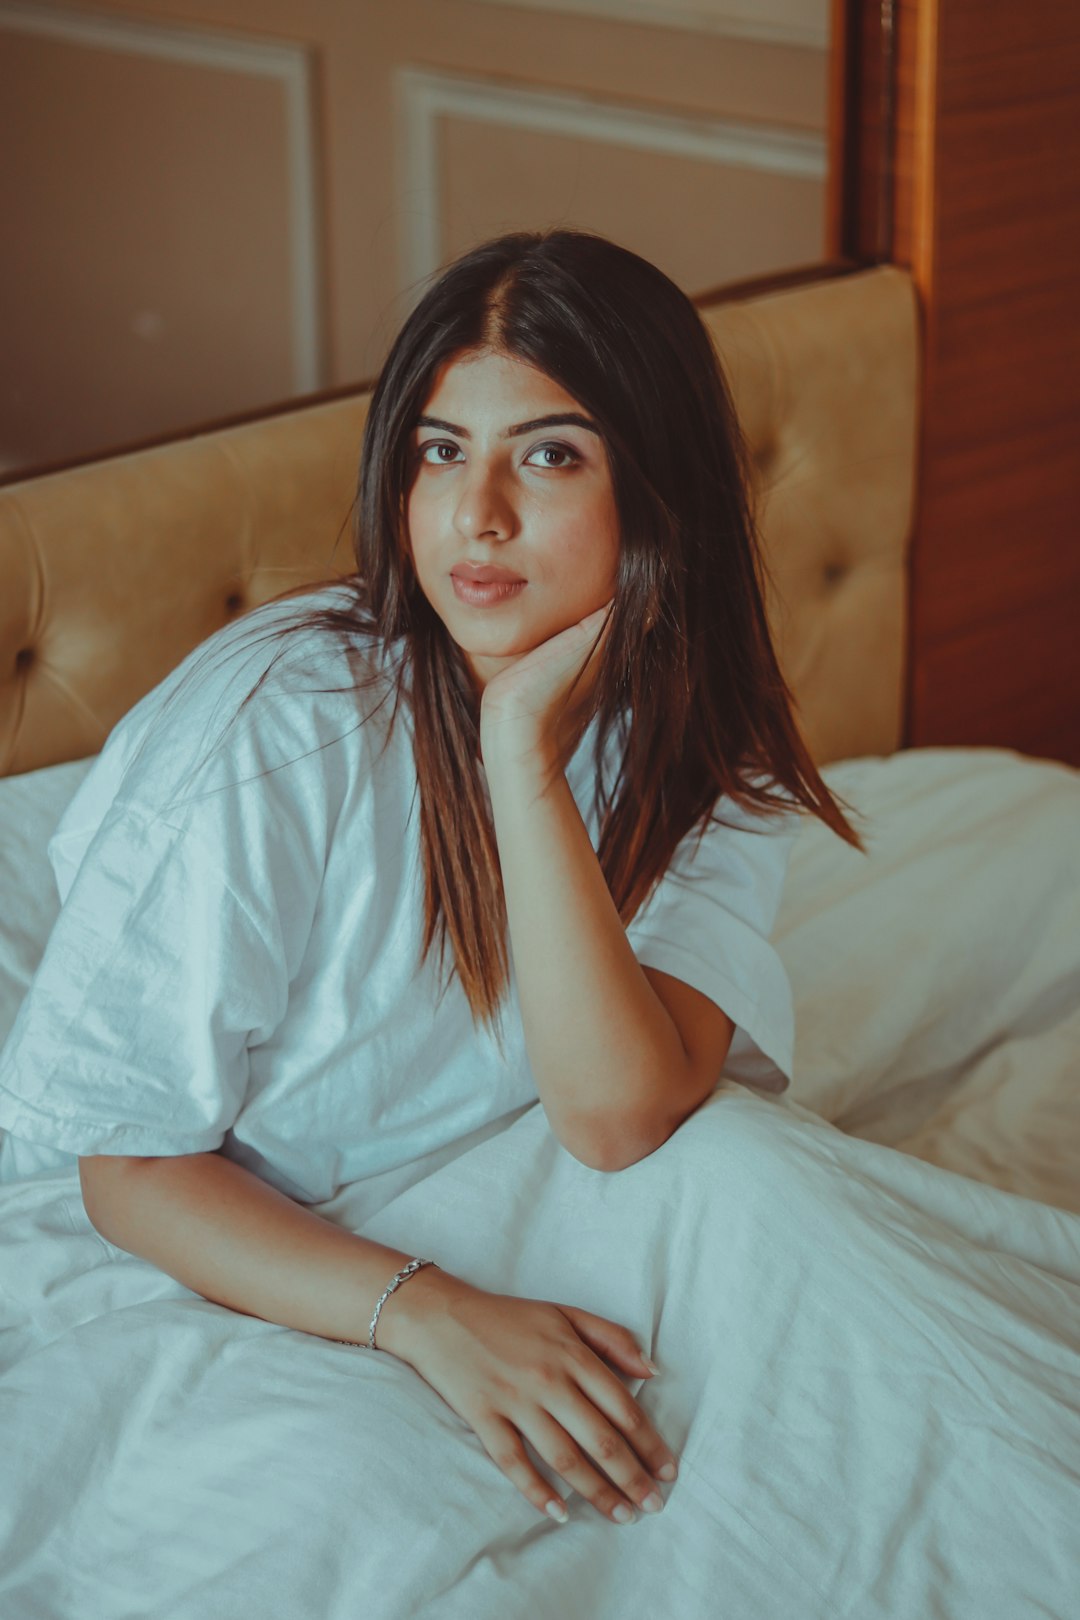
<point>566,418</point>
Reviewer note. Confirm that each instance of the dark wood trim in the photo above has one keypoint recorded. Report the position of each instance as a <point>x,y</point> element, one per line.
<point>844,67</point>
<point>862,130</point>
<point>987,210</point>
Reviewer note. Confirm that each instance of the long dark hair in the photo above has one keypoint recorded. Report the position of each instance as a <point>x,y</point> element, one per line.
<point>687,678</point>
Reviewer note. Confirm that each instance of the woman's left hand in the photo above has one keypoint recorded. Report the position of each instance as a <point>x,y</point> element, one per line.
<point>520,712</point>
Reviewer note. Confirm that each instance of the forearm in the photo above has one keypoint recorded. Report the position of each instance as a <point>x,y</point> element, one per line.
<point>600,1042</point>
<point>228,1235</point>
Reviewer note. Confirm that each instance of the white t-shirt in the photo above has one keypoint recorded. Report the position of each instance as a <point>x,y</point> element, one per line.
<point>235,963</point>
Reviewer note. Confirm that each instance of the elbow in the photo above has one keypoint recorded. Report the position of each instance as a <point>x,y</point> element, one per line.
<point>616,1141</point>
<point>618,1144</point>
<point>609,1165</point>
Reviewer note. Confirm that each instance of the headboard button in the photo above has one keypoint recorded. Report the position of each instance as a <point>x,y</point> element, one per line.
<point>763,458</point>
<point>23,659</point>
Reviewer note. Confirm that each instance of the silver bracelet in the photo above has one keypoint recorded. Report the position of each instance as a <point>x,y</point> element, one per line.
<point>413,1266</point>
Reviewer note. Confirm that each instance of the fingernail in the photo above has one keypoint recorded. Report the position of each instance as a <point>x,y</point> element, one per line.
<point>622,1514</point>
<point>667,1472</point>
<point>653,1368</point>
<point>652,1503</point>
<point>557,1511</point>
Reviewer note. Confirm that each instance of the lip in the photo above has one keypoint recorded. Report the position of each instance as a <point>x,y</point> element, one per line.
<point>486,573</point>
<point>485,593</point>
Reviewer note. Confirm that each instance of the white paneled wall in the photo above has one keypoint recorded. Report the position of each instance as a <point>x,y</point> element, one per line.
<point>222,204</point>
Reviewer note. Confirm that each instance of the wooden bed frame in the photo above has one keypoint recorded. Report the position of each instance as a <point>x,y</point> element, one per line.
<point>955,154</point>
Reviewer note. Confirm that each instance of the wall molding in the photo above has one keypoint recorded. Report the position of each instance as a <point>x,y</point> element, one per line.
<point>423,98</point>
<point>290,65</point>
<point>736,20</point>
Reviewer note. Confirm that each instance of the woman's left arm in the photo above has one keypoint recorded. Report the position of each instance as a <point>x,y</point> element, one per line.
<point>617,1067</point>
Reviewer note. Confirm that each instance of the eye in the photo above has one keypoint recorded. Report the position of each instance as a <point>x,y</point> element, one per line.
<point>558,450</point>
<point>570,457</point>
<point>436,444</point>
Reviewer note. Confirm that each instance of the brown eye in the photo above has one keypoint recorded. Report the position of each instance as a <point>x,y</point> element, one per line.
<point>557,450</point>
<point>435,444</point>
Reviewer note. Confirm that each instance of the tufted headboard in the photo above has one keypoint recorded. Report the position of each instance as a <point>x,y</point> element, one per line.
<point>113,571</point>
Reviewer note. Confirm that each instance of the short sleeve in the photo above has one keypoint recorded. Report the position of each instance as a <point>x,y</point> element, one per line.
<point>189,876</point>
<point>709,922</point>
<point>133,1035</point>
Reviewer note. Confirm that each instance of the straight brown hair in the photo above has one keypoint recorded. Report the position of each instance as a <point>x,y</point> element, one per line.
<point>687,677</point>
<point>688,686</point>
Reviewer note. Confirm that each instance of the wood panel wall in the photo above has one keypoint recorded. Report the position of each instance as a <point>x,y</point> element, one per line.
<point>985,202</point>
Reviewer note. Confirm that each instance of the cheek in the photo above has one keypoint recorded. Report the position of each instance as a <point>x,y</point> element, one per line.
<point>603,542</point>
<point>587,567</point>
<point>590,531</point>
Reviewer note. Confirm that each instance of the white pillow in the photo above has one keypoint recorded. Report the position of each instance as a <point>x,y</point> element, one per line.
<point>961,925</point>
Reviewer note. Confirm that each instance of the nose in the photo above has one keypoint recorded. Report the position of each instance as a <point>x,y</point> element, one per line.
<point>484,508</point>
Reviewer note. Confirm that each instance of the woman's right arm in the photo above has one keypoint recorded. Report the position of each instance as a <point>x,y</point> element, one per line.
<point>511,1368</point>
<point>228,1235</point>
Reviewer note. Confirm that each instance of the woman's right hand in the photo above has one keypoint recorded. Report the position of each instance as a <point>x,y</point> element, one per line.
<point>526,1369</point>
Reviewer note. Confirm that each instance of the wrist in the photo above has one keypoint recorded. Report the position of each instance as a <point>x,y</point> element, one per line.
<point>509,745</point>
<point>413,1303</point>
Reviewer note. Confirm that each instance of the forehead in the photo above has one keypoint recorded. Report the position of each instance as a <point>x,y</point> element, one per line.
<point>494,386</point>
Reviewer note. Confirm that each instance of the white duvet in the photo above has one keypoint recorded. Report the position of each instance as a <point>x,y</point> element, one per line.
<point>864,1298</point>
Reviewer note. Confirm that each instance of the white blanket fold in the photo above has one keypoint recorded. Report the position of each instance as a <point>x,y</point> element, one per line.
<point>870,1371</point>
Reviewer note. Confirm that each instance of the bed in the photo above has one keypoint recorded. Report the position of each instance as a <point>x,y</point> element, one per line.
<point>863,1295</point>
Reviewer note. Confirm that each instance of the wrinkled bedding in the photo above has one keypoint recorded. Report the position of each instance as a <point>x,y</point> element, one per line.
<point>864,1298</point>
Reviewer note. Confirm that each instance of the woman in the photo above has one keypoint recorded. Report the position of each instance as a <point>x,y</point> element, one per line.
<point>590,770</point>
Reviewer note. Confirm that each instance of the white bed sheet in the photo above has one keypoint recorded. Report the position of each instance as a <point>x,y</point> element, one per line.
<point>870,1357</point>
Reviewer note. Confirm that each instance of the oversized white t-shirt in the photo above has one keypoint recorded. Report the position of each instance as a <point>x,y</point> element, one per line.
<point>235,963</point>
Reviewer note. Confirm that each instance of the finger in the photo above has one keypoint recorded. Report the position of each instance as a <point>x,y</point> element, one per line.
<point>609,1398</point>
<point>601,1337</point>
<point>581,1439</point>
<point>611,1339</point>
<point>506,1448</point>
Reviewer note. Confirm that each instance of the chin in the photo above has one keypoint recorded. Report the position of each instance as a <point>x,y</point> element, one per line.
<point>496,656</point>
<point>495,641</point>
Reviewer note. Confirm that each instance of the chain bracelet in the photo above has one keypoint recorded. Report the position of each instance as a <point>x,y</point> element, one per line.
<point>395,1282</point>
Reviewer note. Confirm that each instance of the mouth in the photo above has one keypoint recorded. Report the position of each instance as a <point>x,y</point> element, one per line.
<point>486,574</point>
<point>485,592</point>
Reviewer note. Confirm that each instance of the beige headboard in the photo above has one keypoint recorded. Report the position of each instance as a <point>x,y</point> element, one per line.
<point>112,572</point>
